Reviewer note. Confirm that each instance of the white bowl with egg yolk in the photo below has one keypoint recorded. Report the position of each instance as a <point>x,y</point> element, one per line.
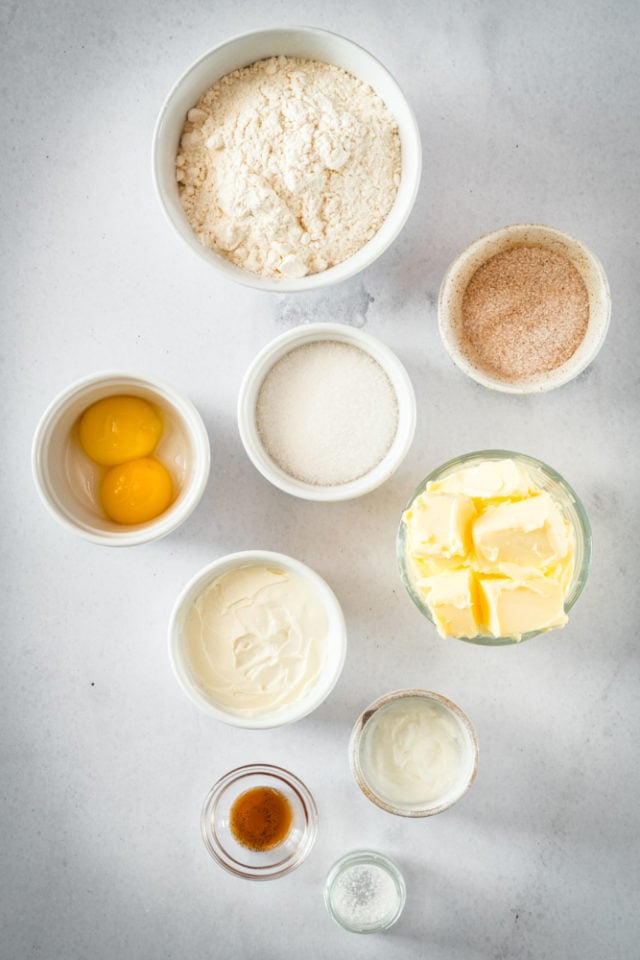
<point>262,652</point>
<point>310,44</point>
<point>68,481</point>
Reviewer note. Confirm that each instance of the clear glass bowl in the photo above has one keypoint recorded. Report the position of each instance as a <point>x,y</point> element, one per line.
<point>467,765</point>
<point>234,856</point>
<point>354,902</point>
<point>547,479</point>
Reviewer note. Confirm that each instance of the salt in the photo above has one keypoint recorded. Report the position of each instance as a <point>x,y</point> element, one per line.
<point>327,413</point>
<point>364,895</point>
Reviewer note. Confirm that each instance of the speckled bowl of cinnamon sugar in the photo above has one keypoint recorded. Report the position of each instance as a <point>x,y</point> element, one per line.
<point>524,309</point>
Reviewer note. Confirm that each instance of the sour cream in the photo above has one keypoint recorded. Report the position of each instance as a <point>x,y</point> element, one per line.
<point>414,752</point>
<point>256,639</point>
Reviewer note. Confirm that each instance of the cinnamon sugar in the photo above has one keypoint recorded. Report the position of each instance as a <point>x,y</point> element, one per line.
<point>524,313</point>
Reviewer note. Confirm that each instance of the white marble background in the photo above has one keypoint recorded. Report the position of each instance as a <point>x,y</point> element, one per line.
<point>528,111</point>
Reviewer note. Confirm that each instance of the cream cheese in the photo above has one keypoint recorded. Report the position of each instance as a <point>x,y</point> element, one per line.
<point>413,752</point>
<point>256,639</point>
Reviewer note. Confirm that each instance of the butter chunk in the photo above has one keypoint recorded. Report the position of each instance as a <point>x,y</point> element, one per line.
<point>529,533</point>
<point>489,480</point>
<point>440,526</point>
<point>452,601</point>
<point>511,608</point>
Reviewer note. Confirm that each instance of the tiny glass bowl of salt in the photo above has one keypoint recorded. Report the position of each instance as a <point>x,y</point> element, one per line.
<point>326,412</point>
<point>524,309</point>
<point>288,158</point>
<point>494,548</point>
<point>413,753</point>
<point>365,892</point>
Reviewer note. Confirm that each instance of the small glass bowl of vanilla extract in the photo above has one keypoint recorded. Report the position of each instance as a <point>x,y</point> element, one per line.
<point>259,822</point>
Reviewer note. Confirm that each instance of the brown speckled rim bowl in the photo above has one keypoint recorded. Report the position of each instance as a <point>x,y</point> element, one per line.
<point>469,767</point>
<point>465,265</point>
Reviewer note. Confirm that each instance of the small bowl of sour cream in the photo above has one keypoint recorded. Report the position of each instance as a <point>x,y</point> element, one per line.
<point>257,639</point>
<point>413,753</point>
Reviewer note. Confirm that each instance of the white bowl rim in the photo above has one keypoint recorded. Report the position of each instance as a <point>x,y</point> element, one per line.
<point>545,382</point>
<point>363,257</point>
<point>393,368</point>
<point>172,518</point>
<point>291,712</point>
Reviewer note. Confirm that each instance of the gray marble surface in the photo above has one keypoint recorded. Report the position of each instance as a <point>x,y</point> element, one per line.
<point>527,112</point>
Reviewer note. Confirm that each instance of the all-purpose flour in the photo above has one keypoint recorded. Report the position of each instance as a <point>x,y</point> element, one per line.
<point>288,166</point>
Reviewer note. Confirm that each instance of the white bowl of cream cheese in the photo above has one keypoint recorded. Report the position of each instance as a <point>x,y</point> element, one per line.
<point>274,199</point>
<point>413,753</point>
<point>257,639</point>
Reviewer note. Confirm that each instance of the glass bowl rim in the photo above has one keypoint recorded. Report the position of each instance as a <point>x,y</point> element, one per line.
<point>365,855</point>
<point>269,772</point>
<point>582,533</point>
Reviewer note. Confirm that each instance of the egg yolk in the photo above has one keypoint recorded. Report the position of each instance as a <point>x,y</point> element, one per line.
<point>118,429</point>
<point>137,491</point>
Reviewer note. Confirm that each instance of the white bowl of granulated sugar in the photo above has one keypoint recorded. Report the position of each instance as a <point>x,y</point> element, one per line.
<point>288,159</point>
<point>326,412</point>
<point>524,309</point>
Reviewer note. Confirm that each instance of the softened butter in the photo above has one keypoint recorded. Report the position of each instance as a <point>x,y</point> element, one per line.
<point>256,639</point>
<point>490,552</point>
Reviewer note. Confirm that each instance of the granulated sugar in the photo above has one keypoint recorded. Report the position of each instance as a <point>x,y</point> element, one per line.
<point>524,312</point>
<point>327,413</point>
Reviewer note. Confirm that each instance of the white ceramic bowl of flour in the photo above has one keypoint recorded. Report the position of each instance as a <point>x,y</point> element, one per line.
<point>309,44</point>
<point>336,373</point>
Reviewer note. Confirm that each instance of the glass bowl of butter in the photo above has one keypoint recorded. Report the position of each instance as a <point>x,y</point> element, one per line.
<point>494,548</point>
<point>257,639</point>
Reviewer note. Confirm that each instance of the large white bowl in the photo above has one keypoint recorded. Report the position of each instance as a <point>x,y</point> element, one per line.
<point>311,44</point>
<point>68,481</point>
<point>334,655</point>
